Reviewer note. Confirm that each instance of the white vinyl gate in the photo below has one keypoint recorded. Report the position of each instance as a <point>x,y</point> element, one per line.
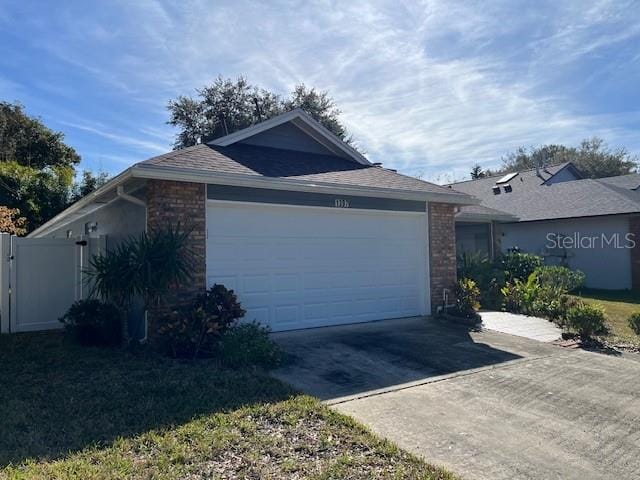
<point>39,279</point>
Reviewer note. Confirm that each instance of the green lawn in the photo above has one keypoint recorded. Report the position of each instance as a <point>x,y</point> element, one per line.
<point>619,305</point>
<point>72,412</point>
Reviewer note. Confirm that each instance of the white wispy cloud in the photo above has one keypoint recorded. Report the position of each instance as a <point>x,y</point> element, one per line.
<point>120,138</point>
<point>426,87</point>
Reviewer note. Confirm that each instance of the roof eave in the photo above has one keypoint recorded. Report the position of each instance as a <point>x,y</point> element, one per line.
<point>82,203</point>
<point>485,217</point>
<point>154,172</point>
<point>192,175</point>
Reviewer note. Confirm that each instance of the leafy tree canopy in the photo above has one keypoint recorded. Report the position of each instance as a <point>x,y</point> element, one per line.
<point>229,105</point>
<point>88,182</point>
<point>37,170</point>
<point>593,157</point>
<point>29,142</point>
<point>38,194</point>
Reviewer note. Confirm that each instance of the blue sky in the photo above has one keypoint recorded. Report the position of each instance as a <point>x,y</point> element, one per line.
<point>427,87</point>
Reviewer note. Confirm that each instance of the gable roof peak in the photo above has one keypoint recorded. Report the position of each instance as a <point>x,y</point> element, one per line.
<point>307,124</point>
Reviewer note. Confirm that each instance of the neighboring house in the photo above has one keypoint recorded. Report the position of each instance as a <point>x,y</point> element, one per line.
<point>585,224</point>
<point>304,228</point>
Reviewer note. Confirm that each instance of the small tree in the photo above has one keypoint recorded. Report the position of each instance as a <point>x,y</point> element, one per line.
<point>147,266</point>
<point>477,172</point>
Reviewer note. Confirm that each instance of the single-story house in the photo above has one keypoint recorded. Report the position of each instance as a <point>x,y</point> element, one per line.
<point>591,225</point>
<point>302,226</point>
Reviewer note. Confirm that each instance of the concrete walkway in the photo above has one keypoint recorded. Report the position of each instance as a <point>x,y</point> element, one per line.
<point>521,325</point>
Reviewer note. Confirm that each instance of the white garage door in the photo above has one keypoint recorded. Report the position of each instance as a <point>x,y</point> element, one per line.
<point>300,267</point>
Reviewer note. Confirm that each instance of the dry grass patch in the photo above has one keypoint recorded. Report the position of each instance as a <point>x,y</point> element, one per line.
<point>81,413</point>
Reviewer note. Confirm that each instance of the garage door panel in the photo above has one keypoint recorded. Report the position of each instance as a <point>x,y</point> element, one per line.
<point>298,267</point>
<point>255,283</point>
<point>315,311</point>
<point>286,282</point>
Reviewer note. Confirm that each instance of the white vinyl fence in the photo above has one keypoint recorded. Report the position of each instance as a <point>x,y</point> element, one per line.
<point>40,278</point>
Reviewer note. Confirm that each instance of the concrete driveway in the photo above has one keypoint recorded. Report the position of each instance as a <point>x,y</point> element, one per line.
<point>483,404</point>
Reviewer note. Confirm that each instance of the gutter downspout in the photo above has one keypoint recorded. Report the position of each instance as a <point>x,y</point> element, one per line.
<point>492,240</point>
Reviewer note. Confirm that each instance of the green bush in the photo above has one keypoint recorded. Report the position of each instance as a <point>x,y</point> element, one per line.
<point>634,323</point>
<point>94,323</point>
<point>513,293</point>
<point>488,277</point>
<point>518,265</point>
<point>248,344</point>
<point>467,299</point>
<point>191,331</point>
<point>543,293</point>
<point>586,319</point>
<point>559,279</point>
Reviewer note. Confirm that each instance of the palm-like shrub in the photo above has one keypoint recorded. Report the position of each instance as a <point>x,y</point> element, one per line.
<point>145,266</point>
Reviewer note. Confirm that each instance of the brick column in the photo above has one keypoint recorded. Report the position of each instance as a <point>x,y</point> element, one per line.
<point>442,251</point>
<point>170,203</point>
<point>634,229</point>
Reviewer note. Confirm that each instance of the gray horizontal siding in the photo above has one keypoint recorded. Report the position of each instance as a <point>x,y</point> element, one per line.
<point>287,137</point>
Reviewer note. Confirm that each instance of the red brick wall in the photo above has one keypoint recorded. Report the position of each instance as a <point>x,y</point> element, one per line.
<point>634,229</point>
<point>442,251</point>
<point>170,203</point>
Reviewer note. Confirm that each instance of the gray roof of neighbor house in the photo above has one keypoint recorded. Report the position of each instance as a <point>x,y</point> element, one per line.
<point>629,182</point>
<point>259,161</point>
<point>539,197</point>
<point>478,213</point>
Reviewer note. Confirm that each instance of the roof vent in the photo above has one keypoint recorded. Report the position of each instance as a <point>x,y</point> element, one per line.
<point>496,189</point>
<point>377,164</point>
<point>507,188</point>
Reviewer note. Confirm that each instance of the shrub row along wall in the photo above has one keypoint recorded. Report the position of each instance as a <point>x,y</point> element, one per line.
<point>170,203</point>
<point>442,251</point>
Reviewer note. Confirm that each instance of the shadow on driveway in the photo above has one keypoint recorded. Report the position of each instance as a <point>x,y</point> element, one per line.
<point>342,361</point>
